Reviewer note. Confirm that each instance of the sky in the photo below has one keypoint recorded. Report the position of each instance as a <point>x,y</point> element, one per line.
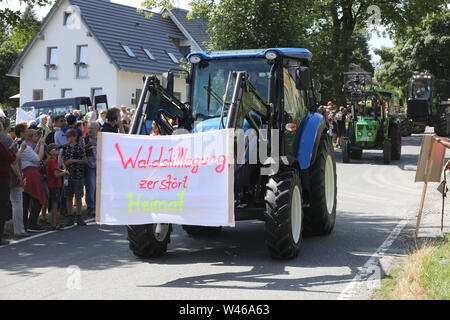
<point>375,41</point>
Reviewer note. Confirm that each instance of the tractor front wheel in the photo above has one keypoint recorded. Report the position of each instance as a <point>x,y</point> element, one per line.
<point>284,214</point>
<point>441,126</point>
<point>149,240</point>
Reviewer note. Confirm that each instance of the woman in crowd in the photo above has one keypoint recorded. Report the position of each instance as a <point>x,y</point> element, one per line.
<point>33,189</point>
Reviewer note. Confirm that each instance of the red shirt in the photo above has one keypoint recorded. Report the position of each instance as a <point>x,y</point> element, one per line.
<point>52,180</point>
<point>6,158</point>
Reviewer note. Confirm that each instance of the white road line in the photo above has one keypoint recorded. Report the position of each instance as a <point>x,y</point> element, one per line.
<point>12,242</point>
<point>371,265</point>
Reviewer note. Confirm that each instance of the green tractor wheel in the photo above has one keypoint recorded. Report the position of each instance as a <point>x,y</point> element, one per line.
<point>346,151</point>
<point>387,152</point>
<point>396,142</point>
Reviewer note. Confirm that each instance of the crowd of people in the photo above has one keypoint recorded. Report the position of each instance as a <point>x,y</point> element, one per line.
<point>337,120</point>
<point>51,162</point>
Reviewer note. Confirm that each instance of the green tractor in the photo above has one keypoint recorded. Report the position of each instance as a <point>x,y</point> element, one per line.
<point>371,126</point>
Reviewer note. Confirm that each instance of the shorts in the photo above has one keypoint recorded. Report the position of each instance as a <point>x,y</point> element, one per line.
<point>75,187</point>
<point>340,131</point>
<point>54,195</point>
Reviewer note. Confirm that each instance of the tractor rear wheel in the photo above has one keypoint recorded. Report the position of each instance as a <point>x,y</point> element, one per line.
<point>396,142</point>
<point>321,214</point>
<point>149,240</point>
<point>284,214</point>
<point>386,152</point>
<point>201,230</point>
<point>441,126</point>
<point>346,151</point>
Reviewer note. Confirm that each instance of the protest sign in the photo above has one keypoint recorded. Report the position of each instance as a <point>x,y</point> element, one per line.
<point>180,179</point>
<point>429,168</point>
<point>25,116</point>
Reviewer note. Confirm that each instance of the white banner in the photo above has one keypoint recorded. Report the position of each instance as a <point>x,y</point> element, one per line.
<point>25,116</point>
<point>180,179</point>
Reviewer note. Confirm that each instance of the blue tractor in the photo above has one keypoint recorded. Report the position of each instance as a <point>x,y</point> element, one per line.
<point>264,91</point>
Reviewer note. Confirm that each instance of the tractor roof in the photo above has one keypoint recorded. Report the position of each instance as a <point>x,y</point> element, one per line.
<point>298,53</point>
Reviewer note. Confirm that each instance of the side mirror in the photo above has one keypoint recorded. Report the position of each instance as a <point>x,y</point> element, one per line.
<point>168,81</point>
<point>303,78</point>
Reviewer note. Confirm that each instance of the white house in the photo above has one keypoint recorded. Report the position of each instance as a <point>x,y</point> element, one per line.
<point>92,47</point>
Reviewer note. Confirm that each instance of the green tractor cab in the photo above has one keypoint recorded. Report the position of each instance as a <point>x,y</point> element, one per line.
<point>371,125</point>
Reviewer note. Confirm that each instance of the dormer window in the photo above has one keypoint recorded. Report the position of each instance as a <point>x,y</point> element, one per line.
<point>149,54</point>
<point>128,51</point>
<point>172,56</point>
<point>68,18</point>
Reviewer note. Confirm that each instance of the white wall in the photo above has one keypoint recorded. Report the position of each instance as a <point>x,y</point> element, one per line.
<point>101,72</point>
<point>128,82</point>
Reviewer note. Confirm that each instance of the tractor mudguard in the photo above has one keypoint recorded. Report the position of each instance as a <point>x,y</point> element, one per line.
<point>307,139</point>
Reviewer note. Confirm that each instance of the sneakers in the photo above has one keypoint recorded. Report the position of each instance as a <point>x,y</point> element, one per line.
<point>21,235</point>
<point>80,221</point>
<point>36,229</point>
<point>70,221</point>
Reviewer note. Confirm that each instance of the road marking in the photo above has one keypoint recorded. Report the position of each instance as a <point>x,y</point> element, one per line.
<point>372,264</point>
<point>12,242</point>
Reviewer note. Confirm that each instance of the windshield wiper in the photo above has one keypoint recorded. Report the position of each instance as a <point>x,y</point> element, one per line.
<point>209,90</point>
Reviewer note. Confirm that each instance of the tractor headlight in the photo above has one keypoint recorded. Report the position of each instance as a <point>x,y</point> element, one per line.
<point>359,133</point>
<point>370,134</point>
<point>271,55</point>
<point>194,59</point>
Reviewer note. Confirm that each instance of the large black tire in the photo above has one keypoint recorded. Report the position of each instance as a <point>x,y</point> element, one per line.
<point>405,126</point>
<point>396,142</point>
<point>346,151</point>
<point>419,128</point>
<point>321,214</point>
<point>387,152</point>
<point>284,214</point>
<point>144,243</point>
<point>201,230</point>
<point>441,126</point>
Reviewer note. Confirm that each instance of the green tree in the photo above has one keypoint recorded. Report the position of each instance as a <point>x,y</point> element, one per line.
<point>11,17</point>
<point>12,42</point>
<point>427,48</point>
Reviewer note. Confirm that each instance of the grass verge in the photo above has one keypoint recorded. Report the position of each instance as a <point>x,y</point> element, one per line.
<point>423,275</point>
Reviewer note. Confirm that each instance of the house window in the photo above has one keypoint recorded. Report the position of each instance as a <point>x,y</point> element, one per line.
<point>128,51</point>
<point>38,94</point>
<point>82,60</point>
<point>172,56</point>
<point>68,18</point>
<point>149,54</point>
<point>66,93</point>
<point>52,61</point>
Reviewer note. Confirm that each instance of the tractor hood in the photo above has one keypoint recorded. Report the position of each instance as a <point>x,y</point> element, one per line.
<point>213,124</point>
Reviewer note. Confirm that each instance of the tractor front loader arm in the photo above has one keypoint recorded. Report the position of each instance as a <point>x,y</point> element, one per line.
<point>158,105</point>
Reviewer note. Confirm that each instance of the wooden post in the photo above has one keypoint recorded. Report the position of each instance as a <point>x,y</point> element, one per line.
<point>424,191</point>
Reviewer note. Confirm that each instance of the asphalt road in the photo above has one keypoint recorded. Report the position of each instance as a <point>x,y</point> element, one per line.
<point>94,262</point>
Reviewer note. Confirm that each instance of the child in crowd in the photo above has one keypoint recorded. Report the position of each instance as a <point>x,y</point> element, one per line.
<point>54,180</point>
<point>75,159</point>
